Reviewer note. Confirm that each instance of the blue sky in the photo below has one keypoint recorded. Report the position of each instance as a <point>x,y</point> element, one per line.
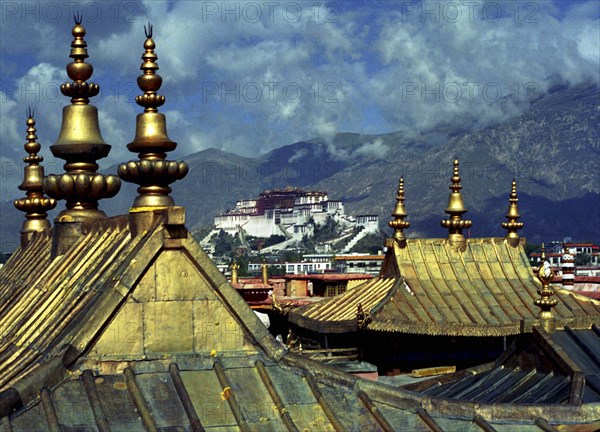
<point>247,77</point>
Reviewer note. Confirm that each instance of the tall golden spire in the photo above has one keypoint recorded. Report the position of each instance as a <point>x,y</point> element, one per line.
<point>399,224</point>
<point>80,143</point>
<point>456,208</point>
<point>513,216</point>
<point>35,204</point>
<point>545,302</point>
<point>152,172</point>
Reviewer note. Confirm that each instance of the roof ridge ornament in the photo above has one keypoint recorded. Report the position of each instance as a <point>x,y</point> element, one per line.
<point>265,272</point>
<point>35,204</point>
<point>456,208</point>
<point>80,142</point>
<point>512,226</point>
<point>151,172</point>
<point>399,214</point>
<point>545,302</point>
<point>234,272</point>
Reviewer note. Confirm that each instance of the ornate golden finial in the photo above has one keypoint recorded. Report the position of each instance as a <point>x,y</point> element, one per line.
<point>456,208</point>
<point>234,272</point>
<point>80,143</point>
<point>512,226</point>
<point>152,172</point>
<point>399,224</point>
<point>35,204</point>
<point>545,274</point>
<point>78,70</point>
<point>265,273</point>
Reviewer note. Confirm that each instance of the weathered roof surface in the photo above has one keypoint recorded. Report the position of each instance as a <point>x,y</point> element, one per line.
<point>253,392</point>
<point>429,288</point>
<point>562,367</point>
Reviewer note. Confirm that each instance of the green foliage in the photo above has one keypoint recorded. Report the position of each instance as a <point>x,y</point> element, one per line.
<point>202,232</point>
<point>371,243</point>
<point>530,248</point>
<point>583,259</point>
<point>325,232</point>
<point>223,243</point>
<point>258,243</point>
<point>291,256</point>
<point>243,263</point>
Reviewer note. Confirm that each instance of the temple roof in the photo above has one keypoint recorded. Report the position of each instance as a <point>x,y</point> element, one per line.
<point>125,324</point>
<point>126,332</point>
<point>428,287</point>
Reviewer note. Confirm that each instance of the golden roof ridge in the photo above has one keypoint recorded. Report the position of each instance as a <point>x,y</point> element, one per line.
<point>152,172</point>
<point>35,204</point>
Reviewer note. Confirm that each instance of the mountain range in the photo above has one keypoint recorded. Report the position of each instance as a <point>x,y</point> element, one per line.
<point>552,149</point>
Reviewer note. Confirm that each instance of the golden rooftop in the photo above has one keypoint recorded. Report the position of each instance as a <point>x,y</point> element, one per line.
<point>124,323</point>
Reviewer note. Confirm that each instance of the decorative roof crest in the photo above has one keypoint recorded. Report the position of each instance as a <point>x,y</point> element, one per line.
<point>234,272</point>
<point>80,142</point>
<point>399,214</point>
<point>456,208</point>
<point>151,172</point>
<point>545,302</point>
<point>512,226</point>
<point>35,204</point>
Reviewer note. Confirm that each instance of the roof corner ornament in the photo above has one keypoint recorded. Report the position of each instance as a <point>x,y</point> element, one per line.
<point>512,226</point>
<point>80,142</point>
<point>279,307</point>
<point>363,319</point>
<point>545,302</point>
<point>399,214</point>
<point>456,208</point>
<point>35,204</point>
<point>152,172</point>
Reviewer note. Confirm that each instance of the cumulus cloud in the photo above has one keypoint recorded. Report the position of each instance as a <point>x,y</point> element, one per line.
<point>373,150</point>
<point>250,76</point>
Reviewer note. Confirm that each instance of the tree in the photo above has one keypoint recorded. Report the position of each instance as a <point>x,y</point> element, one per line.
<point>583,259</point>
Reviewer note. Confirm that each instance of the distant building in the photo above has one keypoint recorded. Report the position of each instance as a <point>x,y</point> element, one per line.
<point>359,263</point>
<point>322,285</point>
<point>290,212</point>
<point>279,212</point>
<point>307,267</point>
<point>555,251</point>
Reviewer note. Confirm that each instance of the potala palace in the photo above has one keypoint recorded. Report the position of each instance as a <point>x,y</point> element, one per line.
<point>291,212</point>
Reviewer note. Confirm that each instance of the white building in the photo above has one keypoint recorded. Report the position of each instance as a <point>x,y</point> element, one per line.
<point>285,212</point>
